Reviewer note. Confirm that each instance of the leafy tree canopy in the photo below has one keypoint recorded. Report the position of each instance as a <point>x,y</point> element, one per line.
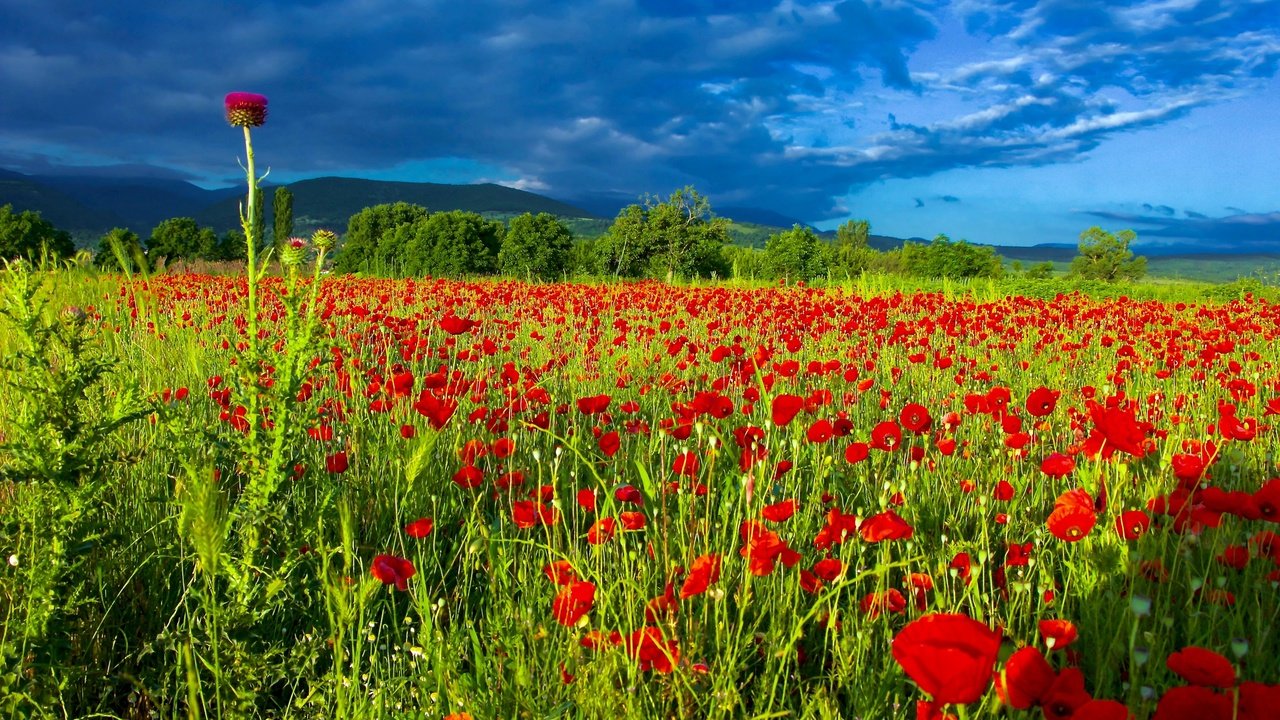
<point>678,236</point>
<point>1107,256</point>
<point>536,245</point>
<point>25,234</point>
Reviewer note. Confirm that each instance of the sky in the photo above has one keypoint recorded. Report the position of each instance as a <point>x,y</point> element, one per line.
<point>1011,122</point>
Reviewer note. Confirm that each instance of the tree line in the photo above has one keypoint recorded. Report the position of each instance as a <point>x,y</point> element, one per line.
<point>675,237</point>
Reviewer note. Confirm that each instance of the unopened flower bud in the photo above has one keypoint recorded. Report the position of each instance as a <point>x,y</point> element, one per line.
<point>293,252</point>
<point>324,240</point>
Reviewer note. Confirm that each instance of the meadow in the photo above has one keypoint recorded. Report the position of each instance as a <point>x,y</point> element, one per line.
<point>435,498</point>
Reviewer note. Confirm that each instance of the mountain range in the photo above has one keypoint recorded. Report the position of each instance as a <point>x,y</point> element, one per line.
<point>88,203</point>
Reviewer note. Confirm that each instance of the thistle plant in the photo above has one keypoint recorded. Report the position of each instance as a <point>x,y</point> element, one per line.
<point>270,377</point>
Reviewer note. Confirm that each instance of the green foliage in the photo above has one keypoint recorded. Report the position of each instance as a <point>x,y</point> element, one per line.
<point>27,235</point>
<point>282,210</point>
<point>117,246</point>
<point>369,244</point>
<point>231,246</point>
<point>1106,256</point>
<point>182,239</point>
<point>1039,271</point>
<point>446,244</point>
<point>535,246</point>
<point>796,254</point>
<point>678,236</point>
<point>853,254</point>
<point>944,258</point>
<point>61,440</point>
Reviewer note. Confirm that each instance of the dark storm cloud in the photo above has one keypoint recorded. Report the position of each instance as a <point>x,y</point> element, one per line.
<point>1240,233</point>
<point>601,96</point>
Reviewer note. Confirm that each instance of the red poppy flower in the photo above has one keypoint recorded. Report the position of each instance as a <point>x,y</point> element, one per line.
<point>628,494</point>
<point>886,436</point>
<point>336,463</point>
<point>686,464</point>
<point>763,549</point>
<point>1065,695</point>
<point>915,418</point>
<point>392,570</point>
<point>610,442</point>
<point>1058,634</point>
<point>1071,523</point>
<point>890,601</point>
<point>1203,667</point>
<point>784,409</point>
<point>963,565</point>
<point>1102,710</point>
<point>572,602</point>
<point>560,572</point>
<point>419,528</point>
<point>1042,401</point>
<point>704,571</point>
<point>780,511</point>
<point>1115,429</point>
<point>455,325</point>
<point>632,520</point>
<point>1258,701</point>
<point>652,651</point>
<point>839,527</point>
<point>856,453</point>
<point>828,568</point>
<point>887,525</point>
<point>1025,679</point>
<point>948,656</point>
<point>1133,524</point>
<point>1058,465</point>
<point>602,531</point>
<point>593,405</point>
<point>468,476</point>
<point>1192,702</point>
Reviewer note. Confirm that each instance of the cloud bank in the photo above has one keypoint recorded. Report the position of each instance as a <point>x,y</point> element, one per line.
<point>758,103</point>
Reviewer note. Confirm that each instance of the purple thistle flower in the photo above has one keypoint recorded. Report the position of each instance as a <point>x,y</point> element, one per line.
<point>246,109</point>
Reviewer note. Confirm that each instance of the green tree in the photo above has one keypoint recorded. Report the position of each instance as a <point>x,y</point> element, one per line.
<point>1040,271</point>
<point>181,239</point>
<point>282,210</point>
<point>536,245</point>
<point>363,248</point>
<point>853,254</point>
<point>796,254</point>
<point>1107,257</point>
<point>26,234</point>
<point>678,236</point>
<point>449,244</point>
<point>129,247</point>
<point>231,246</point>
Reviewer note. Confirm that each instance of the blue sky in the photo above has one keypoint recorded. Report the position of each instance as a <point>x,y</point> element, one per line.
<point>1008,122</point>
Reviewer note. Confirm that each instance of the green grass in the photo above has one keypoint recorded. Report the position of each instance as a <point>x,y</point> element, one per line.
<point>151,623</point>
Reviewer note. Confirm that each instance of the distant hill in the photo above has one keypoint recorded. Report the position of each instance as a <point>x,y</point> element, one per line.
<point>331,201</point>
<point>140,202</point>
<point>757,216</point>
<point>59,208</point>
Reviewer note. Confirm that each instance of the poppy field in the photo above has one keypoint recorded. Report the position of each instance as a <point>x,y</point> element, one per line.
<point>431,498</point>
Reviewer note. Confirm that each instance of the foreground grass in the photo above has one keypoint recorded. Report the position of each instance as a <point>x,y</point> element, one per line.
<point>148,602</point>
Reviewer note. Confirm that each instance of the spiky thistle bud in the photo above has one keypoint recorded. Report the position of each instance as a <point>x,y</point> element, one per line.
<point>324,240</point>
<point>293,252</point>
<point>246,109</point>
